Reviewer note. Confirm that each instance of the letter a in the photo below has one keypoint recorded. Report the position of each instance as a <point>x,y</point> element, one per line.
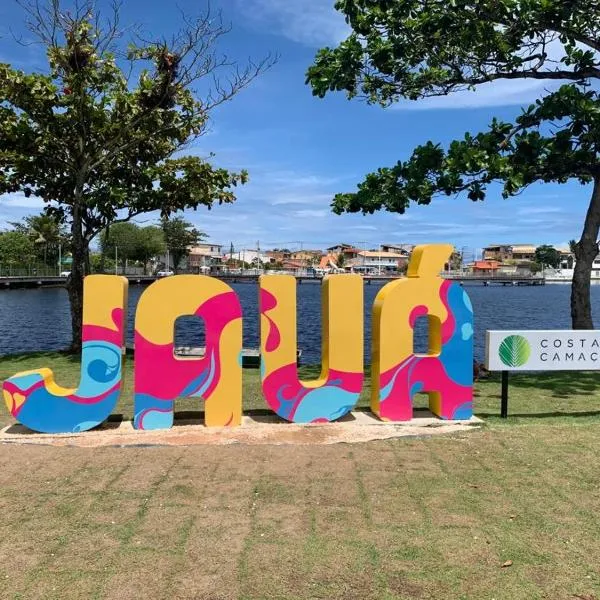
<point>337,390</point>
<point>446,372</point>
<point>37,402</point>
<point>160,376</point>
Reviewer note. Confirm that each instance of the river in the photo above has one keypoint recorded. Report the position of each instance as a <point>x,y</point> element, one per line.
<point>38,319</point>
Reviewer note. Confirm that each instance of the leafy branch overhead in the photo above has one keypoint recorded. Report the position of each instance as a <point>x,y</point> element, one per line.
<point>414,49</point>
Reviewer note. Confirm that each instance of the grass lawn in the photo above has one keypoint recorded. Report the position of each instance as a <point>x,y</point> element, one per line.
<point>399,519</point>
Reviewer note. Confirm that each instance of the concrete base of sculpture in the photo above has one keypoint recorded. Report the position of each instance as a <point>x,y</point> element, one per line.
<point>257,428</point>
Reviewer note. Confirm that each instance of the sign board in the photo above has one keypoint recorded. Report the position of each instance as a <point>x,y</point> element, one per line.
<point>562,350</point>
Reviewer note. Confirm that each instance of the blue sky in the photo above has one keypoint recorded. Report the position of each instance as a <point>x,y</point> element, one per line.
<point>300,150</point>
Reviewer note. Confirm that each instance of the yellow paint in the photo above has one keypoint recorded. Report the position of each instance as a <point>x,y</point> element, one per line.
<point>161,305</point>
<point>392,334</point>
<point>342,324</point>
<point>101,294</point>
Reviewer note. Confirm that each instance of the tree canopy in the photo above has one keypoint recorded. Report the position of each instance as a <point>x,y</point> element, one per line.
<point>547,256</point>
<point>413,49</point>
<point>16,248</point>
<point>99,134</point>
<point>179,235</point>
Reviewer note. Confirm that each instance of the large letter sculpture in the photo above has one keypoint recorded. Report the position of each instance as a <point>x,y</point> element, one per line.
<point>338,389</point>
<point>446,372</point>
<point>160,376</point>
<point>34,398</point>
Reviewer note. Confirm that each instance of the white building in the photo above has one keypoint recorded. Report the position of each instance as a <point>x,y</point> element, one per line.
<point>251,257</point>
<point>202,257</point>
<point>371,261</point>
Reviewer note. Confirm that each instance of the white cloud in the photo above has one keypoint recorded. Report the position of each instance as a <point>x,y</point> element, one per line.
<point>539,210</point>
<point>311,214</point>
<point>310,22</point>
<point>495,93</point>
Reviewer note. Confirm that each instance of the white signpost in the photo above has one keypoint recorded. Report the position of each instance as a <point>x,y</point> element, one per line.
<point>535,350</point>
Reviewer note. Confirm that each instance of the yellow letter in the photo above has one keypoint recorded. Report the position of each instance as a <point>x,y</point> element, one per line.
<point>337,390</point>
<point>39,403</point>
<point>446,372</point>
<point>160,376</point>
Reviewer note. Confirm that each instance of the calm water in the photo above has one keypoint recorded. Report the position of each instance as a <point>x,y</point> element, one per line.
<point>39,319</point>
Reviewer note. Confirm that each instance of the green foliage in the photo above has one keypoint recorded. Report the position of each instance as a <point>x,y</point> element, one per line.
<point>410,49</point>
<point>179,235</point>
<point>47,234</point>
<point>128,241</point>
<point>547,256</point>
<point>99,138</point>
<point>16,248</point>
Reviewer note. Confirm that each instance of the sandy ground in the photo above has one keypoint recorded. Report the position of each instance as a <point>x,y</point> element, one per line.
<point>256,429</point>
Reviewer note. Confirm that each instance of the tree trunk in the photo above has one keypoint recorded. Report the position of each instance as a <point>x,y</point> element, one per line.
<point>80,249</point>
<point>586,251</point>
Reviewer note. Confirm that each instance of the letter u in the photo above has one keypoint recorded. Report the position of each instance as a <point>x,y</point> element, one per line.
<point>338,388</point>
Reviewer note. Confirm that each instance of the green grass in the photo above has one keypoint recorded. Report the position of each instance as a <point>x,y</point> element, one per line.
<point>560,397</point>
<point>394,520</point>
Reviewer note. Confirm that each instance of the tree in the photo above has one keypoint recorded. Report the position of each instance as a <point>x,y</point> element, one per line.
<point>120,241</point>
<point>179,236</point>
<point>150,244</point>
<point>412,49</point>
<point>98,133</point>
<point>47,234</point>
<point>16,248</point>
<point>547,256</point>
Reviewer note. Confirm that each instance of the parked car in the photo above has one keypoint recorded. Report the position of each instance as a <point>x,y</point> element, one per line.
<point>164,273</point>
<point>65,273</point>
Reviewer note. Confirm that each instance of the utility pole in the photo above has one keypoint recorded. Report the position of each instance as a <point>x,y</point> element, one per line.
<point>116,261</point>
<point>59,258</point>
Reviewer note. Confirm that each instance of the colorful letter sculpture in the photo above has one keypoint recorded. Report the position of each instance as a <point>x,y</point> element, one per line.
<point>446,372</point>
<point>160,376</point>
<point>336,392</point>
<point>39,403</point>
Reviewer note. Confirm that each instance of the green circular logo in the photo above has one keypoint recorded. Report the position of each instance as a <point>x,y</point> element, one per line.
<point>514,351</point>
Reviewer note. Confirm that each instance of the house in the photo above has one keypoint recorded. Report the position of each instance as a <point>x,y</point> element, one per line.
<point>405,249</point>
<point>372,261</point>
<point>486,267</point>
<point>509,252</point>
<point>250,257</point>
<point>204,256</point>
<point>309,257</point>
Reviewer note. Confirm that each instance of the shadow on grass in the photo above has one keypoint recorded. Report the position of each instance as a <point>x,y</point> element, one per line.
<point>49,354</point>
<point>561,384</point>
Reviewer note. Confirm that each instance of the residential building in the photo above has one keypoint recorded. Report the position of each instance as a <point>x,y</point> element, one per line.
<point>279,255</point>
<point>309,257</point>
<point>486,267</point>
<point>405,249</point>
<point>509,252</point>
<point>204,256</point>
<point>372,261</point>
<point>250,257</point>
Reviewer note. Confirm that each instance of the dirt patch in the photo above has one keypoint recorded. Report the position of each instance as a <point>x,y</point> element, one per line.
<point>256,430</point>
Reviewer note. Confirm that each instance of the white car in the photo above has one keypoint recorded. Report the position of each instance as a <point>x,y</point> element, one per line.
<point>165,273</point>
<point>65,273</point>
